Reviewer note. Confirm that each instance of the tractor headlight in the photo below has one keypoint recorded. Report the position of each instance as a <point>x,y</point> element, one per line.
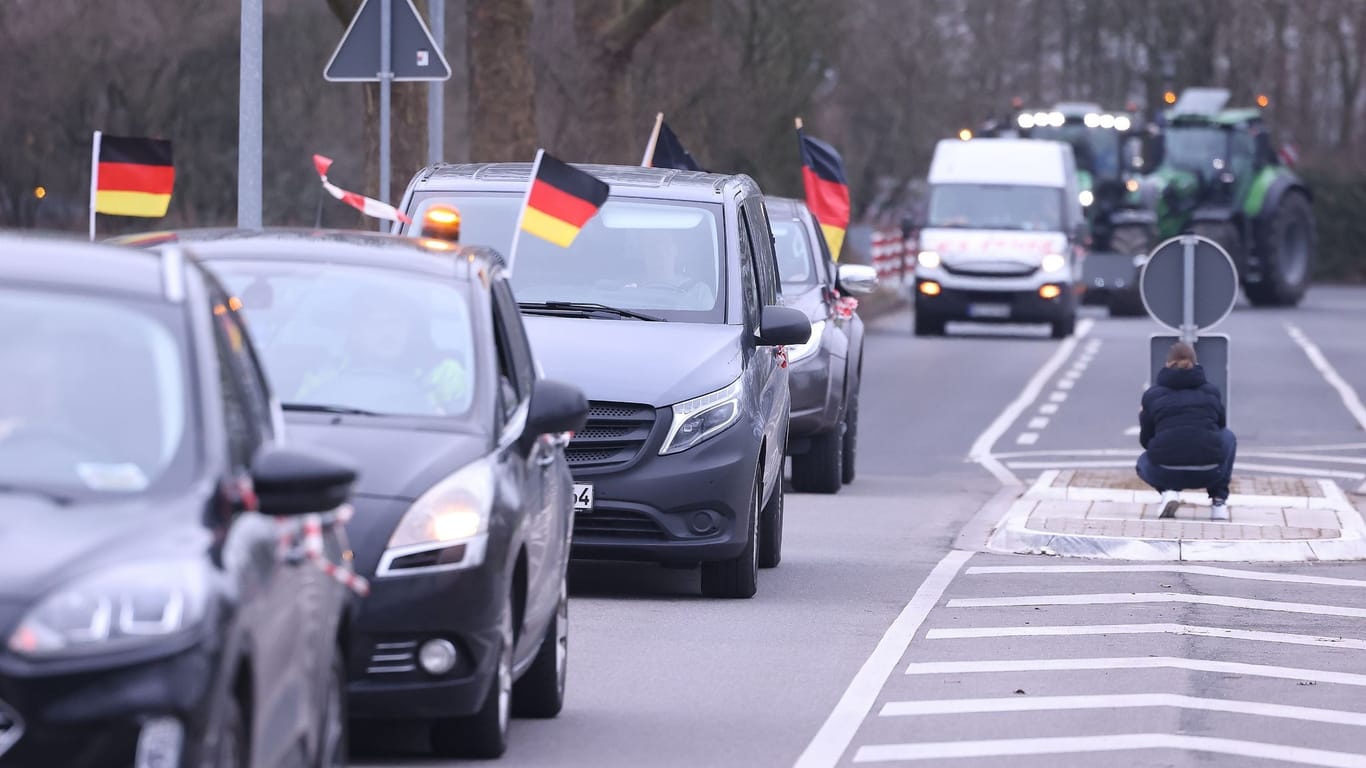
<point>703,417</point>
<point>1086,197</point>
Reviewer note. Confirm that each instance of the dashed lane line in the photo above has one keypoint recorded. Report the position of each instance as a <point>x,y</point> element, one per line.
<point>971,633</point>
<point>1193,570</point>
<point>1038,422</point>
<point>1118,701</point>
<point>1027,438</point>
<point>991,666</point>
<point>1140,598</point>
<point>1123,742</point>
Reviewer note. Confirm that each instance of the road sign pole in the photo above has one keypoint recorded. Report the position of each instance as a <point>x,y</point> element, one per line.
<point>436,90</point>
<point>386,78</point>
<point>1188,327</point>
<point>249,118</point>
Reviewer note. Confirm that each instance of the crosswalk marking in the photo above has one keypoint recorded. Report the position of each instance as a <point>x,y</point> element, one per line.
<point>1116,598</point>
<point>1111,743</point>
<point>967,633</point>
<point>1194,570</point>
<point>1118,701</point>
<point>989,666</point>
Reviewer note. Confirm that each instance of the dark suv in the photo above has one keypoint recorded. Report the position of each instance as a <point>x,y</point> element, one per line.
<point>665,311</point>
<point>826,370</point>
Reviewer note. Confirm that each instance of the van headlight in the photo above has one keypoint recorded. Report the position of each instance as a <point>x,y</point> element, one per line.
<point>796,352</point>
<point>114,609</point>
<point>1053,262</point>
<point>927,259</point>
<point>702,417</point>
<point>453,512</point>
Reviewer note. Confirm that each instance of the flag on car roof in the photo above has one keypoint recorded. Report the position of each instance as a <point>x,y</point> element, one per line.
<point>827,191</point>
<point>665,150</point>
<point>560,200</point>
<point>131,176</point>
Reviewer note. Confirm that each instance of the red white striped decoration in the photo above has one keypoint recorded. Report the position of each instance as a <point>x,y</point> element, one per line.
<point>366,205</point>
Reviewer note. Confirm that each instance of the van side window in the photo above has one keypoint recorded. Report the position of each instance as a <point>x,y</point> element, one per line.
<point>749,281</point>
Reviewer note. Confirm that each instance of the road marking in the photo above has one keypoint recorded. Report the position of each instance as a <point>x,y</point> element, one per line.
<point>1058,397</point>
<point>1118,701</point>
<point>1038,422</point>
<point>1134,662</point>
<point>1194,570</point>
<point>1048,408</point>
<point>1127,598</point>
<point>970,633</point>
<point>1304,457</point>
<point>1283,469</point>
<point>1132,431</point>
<point>981,447</point>
<point>1027,438</point>
<point>1122,742</point>
<point>1066,383</point>
<point>1330,374</point>
<point>831,741</point>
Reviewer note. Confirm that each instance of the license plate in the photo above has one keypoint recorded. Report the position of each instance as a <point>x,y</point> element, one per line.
<point>583,497</point>
<point>989,310</point>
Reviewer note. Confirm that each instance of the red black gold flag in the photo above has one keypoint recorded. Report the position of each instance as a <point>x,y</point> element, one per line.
<point>560,201</point>
<point>133,176</point>
<point>827,191</point>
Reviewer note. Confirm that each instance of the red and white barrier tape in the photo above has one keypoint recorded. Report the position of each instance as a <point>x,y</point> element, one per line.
<point>366,205</point>
<point>304,536</point>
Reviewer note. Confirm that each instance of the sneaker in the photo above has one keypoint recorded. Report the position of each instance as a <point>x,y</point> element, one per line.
<point>1218,509</point>
<point>1170,501</point>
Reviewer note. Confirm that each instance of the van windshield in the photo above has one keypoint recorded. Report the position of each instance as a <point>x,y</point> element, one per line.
<point>996,206</point>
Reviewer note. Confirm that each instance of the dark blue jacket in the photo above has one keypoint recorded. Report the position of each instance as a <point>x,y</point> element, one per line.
<point>1182,418</point>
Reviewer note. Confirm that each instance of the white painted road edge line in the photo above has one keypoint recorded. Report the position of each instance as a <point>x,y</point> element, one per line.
<point>1330,374</point>
<point>1131,598</point>
<point>1194,570</point>
<point>991,666</point>
<point>830,742</point>
<point>1280,469</point>
<point>971,633</point>
<point>981,447</point>
<point>1123,742</point>
<point>1118,701</point>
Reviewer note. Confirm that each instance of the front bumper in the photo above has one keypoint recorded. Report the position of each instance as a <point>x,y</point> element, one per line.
<point>1106,273</point>
<point>817,387</point>
<point>996,306</point>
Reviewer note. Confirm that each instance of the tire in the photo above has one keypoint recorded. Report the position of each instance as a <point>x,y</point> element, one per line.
<point>821,468</point>
<point>483,735</point>
<point>738,577</point>
<point>1065,327</point>
<point>1287,255</point>
<point>927,325</point>
<point>540,692</point>
<point>333,737</point>
<point>234,737</point>
<point>771,530</point>
<point>850,438</point>
<point>1222,232</point>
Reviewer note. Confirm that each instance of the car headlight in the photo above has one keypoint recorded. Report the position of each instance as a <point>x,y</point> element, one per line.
<point>455,509</point>
<point>1086,197</point>
<point>114,609</point>
<point>700,418</point>
<point>796,352</point>
<point>927,259</point>
<point>1053,262</point>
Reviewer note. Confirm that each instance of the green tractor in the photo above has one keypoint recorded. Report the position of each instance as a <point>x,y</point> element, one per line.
<point>1220,175</point>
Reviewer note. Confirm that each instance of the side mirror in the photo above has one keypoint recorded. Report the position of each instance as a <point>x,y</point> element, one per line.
<point>783,326</point>
<point>289,481</point>
<point>555,407</point>
<point>857,279</point>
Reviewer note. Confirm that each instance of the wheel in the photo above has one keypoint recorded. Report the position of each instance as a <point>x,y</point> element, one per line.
<point>1225,233</point>
<point>1065,327</point>
<point>771,530</point>
<point>927,325</point>
<point>821,468</point>
<point>483,735</point>
<point>1287,255</point>
<point>234,737</point>
<point>850,437</point>
<point>332,744</point>
<point>737,577</point>
<point>540,692</point>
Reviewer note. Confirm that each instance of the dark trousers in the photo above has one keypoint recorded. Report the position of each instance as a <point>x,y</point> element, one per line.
<point>1214,480</point>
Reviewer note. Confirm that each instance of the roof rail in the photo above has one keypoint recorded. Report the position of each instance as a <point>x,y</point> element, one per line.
<point>173,273</point>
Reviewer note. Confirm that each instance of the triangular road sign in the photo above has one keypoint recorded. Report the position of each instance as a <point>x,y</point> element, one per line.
<point>414,54</point>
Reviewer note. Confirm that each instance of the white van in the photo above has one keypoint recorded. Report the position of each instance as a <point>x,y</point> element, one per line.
<point>1003,236</point>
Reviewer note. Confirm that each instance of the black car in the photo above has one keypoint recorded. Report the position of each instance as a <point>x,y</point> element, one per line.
<point>410,357</point>
<point>158,606</point>
<point>827,370</point>
<point>664,310</point>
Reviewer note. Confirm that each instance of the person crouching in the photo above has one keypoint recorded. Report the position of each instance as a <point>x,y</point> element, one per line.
<point>1184,433</point>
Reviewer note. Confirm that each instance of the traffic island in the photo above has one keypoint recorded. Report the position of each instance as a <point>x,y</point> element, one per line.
<point>1113,514</point>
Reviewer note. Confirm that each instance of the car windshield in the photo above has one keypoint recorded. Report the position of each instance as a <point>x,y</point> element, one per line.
<point>94,399</point>
<point>996,206</point>
<point>657,257</point>
<point>358,339</point>
<point>1194,147</point>
<point>796,267</point>
<point>1096,149</point>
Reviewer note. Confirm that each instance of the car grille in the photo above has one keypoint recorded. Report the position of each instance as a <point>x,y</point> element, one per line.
<point>991,269</point>
<point>617,524</point>
<point>10,728</point>
<point>615,434</point>
<point>392,658</point>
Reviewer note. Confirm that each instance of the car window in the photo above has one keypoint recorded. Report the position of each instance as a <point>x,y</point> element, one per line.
<point>243,430</point>
<point>233,337</point>
<point>760,257</point>
<point>997,206</point>
<point>514,350</point>
<point>796,266</point>
<point>748,279</point>
<point>357,337</point>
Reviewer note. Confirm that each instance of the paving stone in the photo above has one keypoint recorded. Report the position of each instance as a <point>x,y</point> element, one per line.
<point>1115,511</point>
<point>1061,508</point>
<point>1257,515</point>
<point>1312,518</point>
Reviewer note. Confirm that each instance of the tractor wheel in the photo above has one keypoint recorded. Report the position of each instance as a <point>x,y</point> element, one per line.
<point>1225,233</point>
<point>1130,240</point>
<point>1287,255</point>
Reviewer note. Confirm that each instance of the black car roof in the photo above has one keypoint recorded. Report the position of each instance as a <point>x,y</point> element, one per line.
<point>66,261</point>
<point>634,180</point>
<point>332,245</point>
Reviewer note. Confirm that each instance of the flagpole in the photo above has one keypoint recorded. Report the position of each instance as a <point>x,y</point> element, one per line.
<point>648,160</point>
<point>526,200</point>
<point>94,179</point>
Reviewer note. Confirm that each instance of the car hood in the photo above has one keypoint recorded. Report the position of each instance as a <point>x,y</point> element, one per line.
<point>809,301</point>
<point>631,361</point>
<point>393,462</point>
<point>984,248</point>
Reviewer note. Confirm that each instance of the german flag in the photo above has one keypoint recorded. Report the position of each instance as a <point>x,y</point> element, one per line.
<point>827,192</point>
<point>560,201</point>
<point>133,177</point>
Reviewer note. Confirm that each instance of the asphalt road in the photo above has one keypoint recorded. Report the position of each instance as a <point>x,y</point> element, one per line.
<point>880,638</point>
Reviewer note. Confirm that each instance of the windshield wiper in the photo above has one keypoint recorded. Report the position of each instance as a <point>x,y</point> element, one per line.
<point>584,307</point>
<point>52,496</point>
<point>316,408</point>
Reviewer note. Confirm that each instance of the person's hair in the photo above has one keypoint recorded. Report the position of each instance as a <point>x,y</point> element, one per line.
<point>1181,355</point>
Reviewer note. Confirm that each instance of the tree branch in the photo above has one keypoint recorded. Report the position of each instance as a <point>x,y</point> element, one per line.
<point>621,35</point>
